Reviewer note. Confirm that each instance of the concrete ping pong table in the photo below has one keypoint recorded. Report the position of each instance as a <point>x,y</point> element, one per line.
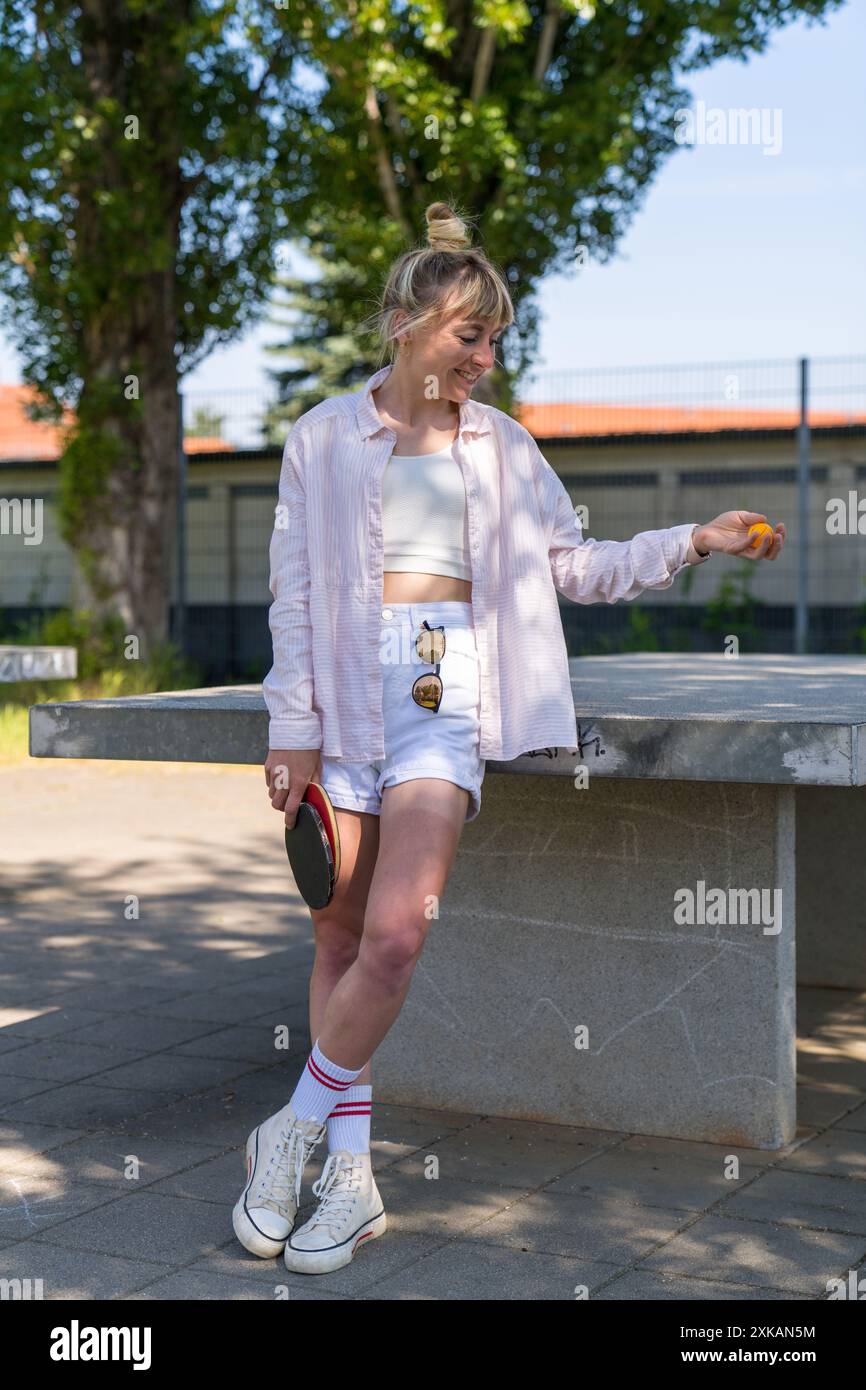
<point>619,955</point>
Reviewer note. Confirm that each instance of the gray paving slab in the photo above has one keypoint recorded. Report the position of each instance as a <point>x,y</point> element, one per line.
<point>218,1179</point>
<point>820,1106</point>
<point>823,1202</point>
<point>93,1107</point>
<point>643,1286</point>
<point>843,1074</point>
<point>144,1225</point>
<point>396,1250</point>
<point>199,1284</point>
<point>508,1153</point>
<point>30,1205</point>
<point>758,1252</point>
<point>117,1162</point>
<point>657,1173</point>
<point>855,1119</point>
<point>465,1271</point>
<point>45,1020</point>
<point>57,1060</point>
<point>169,1074</point>
<point>119,995</point>
<point>837,1151</point>
<point>243,1042</point>
<point>24,1140</point>
<point>228,1005</point>
<point>66,1275</point>
<point>580,1227</point>
<point>144,1032</point>
<point>213,1119</point>
<point>401,1130</point>
<point>14,1088</point>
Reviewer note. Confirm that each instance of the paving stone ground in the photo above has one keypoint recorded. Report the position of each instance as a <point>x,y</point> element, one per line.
<point>137,1052</point>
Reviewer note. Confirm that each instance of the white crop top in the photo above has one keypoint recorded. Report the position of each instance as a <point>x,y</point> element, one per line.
<point>424,520</point>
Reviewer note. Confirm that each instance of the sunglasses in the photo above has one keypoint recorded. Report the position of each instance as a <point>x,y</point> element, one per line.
<point>430,646</point>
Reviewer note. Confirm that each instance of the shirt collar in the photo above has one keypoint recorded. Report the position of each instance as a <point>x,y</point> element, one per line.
<point>473,415</point>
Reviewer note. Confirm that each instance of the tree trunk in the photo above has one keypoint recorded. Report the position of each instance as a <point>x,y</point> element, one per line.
<point>121,472</point>
<point>125,536</point>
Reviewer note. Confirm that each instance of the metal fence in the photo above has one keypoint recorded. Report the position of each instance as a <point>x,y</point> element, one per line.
<point>637,447</point>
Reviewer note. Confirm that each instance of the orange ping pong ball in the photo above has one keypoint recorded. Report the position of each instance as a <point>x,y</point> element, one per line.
<point>757,531</point>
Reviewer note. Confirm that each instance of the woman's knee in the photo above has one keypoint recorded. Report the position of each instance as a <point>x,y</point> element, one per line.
<point>337,939</point>
<point>390,948</point>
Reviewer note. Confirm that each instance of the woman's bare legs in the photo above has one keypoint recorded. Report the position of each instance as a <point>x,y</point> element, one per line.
<point>419,832</point>
<point>339,926</point>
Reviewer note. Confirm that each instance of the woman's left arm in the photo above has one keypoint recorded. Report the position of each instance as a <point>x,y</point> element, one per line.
<point>590,571</point>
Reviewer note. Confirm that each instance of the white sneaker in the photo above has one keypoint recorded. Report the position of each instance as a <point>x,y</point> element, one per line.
<point>276,1153</point>
<point>350,1211</point>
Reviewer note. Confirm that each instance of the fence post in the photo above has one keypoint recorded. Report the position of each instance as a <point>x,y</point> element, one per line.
<point>804,442</point>
<point>180,627</point>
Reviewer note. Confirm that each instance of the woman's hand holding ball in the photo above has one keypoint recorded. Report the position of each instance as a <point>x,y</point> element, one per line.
<point>742,533</point>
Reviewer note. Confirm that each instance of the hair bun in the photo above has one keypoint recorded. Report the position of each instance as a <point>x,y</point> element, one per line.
<point>445,230</point>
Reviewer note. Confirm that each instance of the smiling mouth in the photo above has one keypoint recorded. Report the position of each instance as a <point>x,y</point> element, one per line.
<point>466,377</point>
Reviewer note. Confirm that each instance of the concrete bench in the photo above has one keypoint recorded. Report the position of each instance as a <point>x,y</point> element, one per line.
<point>38,664</point>
<point>619,956</point>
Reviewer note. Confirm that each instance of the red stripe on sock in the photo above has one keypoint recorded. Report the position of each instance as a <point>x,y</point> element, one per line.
<point>349,1107</point>
<point>322,1077</point>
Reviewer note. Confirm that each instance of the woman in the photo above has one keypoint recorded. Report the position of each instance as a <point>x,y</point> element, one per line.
<point>416,528</point>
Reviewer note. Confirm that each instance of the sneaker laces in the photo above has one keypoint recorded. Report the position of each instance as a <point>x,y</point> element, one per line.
<point>285,1170</point>
<point>336,1190</point>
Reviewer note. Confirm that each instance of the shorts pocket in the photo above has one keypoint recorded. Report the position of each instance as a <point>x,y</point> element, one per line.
<point>462,667</point>
<point>460,641</point>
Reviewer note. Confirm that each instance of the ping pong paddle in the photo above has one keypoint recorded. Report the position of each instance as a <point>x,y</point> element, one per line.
<point>313,847</point>
<point>318,797</point>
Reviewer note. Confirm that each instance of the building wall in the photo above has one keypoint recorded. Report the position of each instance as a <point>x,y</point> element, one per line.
<point>627,487</point>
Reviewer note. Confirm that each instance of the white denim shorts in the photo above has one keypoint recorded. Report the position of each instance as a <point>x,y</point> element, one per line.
<point>420,742</point>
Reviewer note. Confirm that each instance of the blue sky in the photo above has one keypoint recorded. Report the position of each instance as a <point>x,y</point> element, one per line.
<point>735,254</point>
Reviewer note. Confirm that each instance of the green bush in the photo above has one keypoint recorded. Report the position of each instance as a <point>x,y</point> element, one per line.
<point>733,608</point>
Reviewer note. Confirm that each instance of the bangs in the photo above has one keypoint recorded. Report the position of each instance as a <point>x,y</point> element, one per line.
<point>477,294</point>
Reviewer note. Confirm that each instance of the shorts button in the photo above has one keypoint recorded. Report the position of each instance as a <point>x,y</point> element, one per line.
<point>387,613</point>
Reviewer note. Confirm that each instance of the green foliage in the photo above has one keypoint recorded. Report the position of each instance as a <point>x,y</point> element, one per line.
<point>548,137</point>
<point>145,178</point>
<point>144,166</point>
<point>734,606</point>
<point>639,635</point>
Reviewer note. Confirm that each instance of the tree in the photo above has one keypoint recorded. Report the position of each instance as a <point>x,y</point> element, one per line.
<point>546,120</point>
<point>147,172</point>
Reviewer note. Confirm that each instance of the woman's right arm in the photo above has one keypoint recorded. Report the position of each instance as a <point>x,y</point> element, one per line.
<point>295,729</point>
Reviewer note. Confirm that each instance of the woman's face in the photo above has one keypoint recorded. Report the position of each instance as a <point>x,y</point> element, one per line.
<point>456,352</point>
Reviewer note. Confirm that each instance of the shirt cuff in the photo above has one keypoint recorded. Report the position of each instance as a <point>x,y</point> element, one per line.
<point>693,556</point>
<point>293,734</point>
<point>678,548</point>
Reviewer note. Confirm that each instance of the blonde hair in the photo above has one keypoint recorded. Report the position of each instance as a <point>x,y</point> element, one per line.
<point>448,275</point>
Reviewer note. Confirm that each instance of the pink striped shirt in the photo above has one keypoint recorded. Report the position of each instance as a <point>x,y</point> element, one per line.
<point>324,689</point>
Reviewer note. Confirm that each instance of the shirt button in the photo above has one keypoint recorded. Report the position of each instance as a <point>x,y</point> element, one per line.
<point>387,613</point>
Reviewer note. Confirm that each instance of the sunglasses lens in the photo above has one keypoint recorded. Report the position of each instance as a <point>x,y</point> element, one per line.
<point>427,692</point>
<point>430,645</point>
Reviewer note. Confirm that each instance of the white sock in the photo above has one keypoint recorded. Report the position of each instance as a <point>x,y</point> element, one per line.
<point>321,1085</point>
<point>349,1121</point>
